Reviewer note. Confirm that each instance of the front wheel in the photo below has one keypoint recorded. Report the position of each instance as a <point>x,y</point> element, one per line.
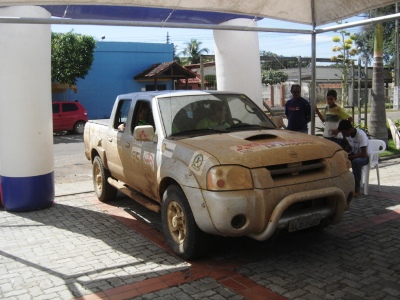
<point>104,191</point>
<point>79,127</point>
<point>180,229</point>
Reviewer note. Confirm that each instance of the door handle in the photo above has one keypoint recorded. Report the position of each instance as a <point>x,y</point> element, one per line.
<point>110,139</point>
<point>127,145</point>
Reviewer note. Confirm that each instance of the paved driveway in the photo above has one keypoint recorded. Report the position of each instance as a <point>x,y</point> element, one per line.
<point>81,248</point>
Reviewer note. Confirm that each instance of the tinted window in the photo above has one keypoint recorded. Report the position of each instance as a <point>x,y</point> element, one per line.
<point>121,115</point>
<point>158,87</point>
<point>143,114</point>
<point>66,107</point>
<point>56,108</point>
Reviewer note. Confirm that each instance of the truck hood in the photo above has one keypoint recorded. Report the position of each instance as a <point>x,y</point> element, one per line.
<point>263,147</point>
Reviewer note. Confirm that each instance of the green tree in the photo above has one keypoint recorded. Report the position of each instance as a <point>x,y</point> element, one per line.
<point>365,38</point>
<point>193,51</point>
<point>71,56</point>
<point>270,77</point>
<point>177,59</point>
<point>343,62</point>
<point>378,128</point>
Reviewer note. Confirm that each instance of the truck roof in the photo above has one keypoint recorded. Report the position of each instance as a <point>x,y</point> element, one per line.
<point>168,93</point>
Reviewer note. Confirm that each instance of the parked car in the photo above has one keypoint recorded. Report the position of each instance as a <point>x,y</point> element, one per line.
<point>69,116</point>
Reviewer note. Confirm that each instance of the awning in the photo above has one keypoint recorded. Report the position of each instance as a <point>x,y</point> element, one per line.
<point>164,71</point>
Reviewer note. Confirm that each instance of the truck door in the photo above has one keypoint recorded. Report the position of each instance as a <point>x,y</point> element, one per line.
<point>139,158</point>
<point>115,139</point>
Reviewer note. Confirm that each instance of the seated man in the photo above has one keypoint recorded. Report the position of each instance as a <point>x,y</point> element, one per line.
<point>182,122</point>
<point>357,150</point>
<point>143,115</point>
<point>217,117</point>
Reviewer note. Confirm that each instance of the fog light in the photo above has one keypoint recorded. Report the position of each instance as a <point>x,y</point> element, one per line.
<point>238,221</point>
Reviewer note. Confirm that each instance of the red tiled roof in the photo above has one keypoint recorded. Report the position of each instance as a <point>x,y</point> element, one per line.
<point>193,80</point>
<point>164,70</point>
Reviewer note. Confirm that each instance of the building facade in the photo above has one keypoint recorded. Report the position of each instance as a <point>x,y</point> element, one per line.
<point>114,66</point>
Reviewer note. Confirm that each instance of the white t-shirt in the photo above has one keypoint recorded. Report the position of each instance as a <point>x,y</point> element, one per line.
<point>332,116</point>
<point>358,141</point>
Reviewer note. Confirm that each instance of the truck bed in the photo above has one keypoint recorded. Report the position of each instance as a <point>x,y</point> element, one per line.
<point>100,121</point>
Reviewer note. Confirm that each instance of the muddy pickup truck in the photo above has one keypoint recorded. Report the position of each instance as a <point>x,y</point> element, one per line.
<point>212,163</point>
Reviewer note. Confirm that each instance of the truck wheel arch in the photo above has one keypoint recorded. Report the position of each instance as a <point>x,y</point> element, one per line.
<point>180,229</point>
<point>195,202</point>
<point>103,189</point>
<point>101,153</point>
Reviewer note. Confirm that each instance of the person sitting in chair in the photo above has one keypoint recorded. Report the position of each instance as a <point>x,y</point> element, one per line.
<point>357,150</point>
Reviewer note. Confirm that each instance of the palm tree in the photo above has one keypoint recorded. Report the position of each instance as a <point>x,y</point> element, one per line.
<point>378,128</point>
<point>177,59</point>
<point>192,51</point>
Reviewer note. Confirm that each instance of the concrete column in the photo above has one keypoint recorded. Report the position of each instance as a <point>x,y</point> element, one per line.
<point>26,133</point>
<point>237,60</point>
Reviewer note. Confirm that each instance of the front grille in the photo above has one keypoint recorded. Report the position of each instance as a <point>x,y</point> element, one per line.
<point>307,205</point>
<point>296,169</point>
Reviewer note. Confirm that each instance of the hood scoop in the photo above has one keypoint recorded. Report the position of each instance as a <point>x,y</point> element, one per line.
<point>258,137</point>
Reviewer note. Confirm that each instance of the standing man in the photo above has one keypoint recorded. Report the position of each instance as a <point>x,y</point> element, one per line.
<point>297,111</point>
<point>357,150</point>
<point>331,115</point>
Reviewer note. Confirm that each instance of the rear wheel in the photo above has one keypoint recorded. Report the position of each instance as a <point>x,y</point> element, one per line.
<point>104,191</point>
<point>79,127</point>
<point>180,229</point>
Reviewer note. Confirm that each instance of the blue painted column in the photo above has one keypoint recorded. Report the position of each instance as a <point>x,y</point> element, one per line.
<point>26,134</point>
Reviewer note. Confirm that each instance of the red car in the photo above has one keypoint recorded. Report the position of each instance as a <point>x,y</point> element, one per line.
<point>69,116</point>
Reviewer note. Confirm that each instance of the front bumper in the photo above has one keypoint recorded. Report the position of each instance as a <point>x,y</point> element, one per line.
<point>259,212</point>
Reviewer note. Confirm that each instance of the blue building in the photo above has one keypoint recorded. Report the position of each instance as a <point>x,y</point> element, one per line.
<point>114,66</point>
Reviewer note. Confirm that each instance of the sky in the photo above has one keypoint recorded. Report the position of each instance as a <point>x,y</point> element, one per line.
<point>284,44</point>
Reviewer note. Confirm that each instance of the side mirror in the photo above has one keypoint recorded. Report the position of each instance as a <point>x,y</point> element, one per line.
<point>144,133</point>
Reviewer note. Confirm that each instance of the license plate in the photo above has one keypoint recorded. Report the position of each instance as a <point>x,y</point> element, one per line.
<point>304,222</point>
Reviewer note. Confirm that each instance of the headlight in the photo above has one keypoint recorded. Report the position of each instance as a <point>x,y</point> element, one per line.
<point>342,162</point>
<point>229,178</point>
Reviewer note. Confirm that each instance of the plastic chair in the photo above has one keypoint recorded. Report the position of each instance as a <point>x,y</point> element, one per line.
<point>374,148</point>
<point>395,133</point>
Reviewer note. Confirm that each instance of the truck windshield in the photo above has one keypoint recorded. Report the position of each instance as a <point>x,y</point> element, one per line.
<point>207,113</point>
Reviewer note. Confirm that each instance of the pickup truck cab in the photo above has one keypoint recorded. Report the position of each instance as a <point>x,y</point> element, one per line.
<point>236,176</point>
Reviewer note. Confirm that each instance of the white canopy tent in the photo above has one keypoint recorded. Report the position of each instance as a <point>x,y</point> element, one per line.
<point>311,12</point>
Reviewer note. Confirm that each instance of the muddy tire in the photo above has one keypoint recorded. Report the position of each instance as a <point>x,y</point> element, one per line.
<point>104,191</point>
<point>180,229</point>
